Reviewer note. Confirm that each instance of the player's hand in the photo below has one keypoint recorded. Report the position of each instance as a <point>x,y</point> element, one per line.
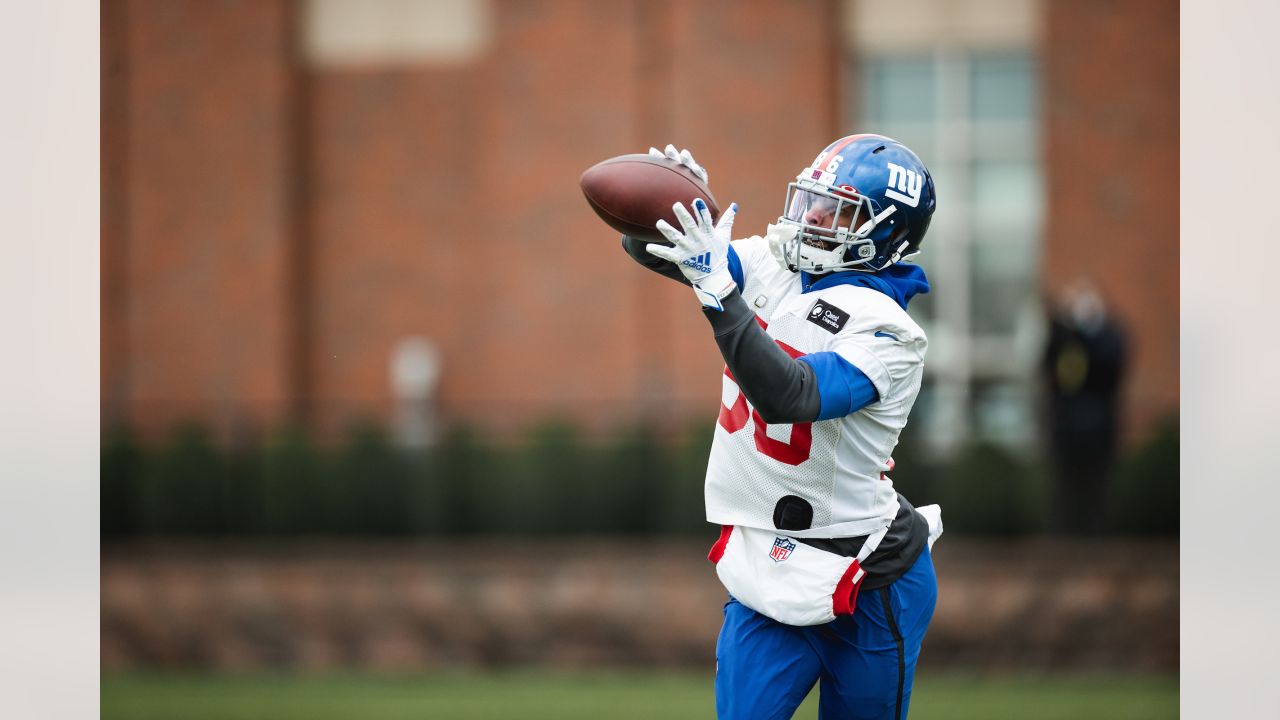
<point>684,157</point>
<point>701,251</point>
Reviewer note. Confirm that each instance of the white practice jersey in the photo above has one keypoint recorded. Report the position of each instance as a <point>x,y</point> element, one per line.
<point>836,465</point>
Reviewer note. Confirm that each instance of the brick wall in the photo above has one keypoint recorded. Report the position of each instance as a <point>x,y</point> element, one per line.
<point>196,210</point>
<point>1111,76</point>
<point>114,290</point>
<point>446,204</point>
<point>266,243</point>
<point>271,230</point>
<point>1028,605</point>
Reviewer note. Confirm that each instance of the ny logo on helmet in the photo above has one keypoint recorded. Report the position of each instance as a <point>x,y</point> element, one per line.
<point>902,180</point>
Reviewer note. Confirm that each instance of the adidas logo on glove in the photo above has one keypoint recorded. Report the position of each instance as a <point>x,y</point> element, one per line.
<point>701,263</point>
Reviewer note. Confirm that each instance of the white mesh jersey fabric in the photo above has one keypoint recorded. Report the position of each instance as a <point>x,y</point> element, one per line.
<point>836,465</point>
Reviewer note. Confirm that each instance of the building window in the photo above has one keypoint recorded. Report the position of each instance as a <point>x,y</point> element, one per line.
<point>973,117</point>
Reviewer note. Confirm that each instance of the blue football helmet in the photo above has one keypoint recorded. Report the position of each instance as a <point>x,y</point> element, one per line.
<point>864,204</point>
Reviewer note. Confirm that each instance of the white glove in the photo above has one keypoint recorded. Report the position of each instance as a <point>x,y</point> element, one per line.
<point>684,157</point>
<point>701,251</point>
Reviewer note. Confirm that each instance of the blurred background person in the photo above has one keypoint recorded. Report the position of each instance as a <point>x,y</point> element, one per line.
<point>1084,366</point>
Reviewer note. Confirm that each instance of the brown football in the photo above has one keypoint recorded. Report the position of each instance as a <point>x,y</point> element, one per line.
<point>633,192</point>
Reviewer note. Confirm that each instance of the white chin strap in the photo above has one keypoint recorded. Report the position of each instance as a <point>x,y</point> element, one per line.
<point>871,224</point>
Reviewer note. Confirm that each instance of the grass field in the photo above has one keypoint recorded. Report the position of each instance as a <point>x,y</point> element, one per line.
<point>621,696</point>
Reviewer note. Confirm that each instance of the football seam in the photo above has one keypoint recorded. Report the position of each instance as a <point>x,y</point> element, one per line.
<point>600,209</point>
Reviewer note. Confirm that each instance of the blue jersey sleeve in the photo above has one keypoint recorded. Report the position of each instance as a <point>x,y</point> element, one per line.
<point>842,387</point>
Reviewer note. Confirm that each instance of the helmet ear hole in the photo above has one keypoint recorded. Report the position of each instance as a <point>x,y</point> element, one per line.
<point>899,232</point>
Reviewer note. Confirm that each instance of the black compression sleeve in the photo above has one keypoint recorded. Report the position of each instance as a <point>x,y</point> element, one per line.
<point>635,248</point>
<point>782,389</point>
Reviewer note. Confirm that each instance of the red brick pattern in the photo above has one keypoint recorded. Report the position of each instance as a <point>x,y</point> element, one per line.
<point>408,607</point>
<point>114,292</point>
<point>1111,89</point>
<point>271,231</point>
<point>202,249</point>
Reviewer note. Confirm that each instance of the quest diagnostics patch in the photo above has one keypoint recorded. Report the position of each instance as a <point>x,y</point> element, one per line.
<point>827,316</point>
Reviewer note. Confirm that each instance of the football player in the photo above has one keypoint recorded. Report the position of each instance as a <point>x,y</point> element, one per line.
<point>827,566</point>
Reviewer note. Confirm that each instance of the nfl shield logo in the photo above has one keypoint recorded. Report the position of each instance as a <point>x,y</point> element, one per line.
<point>781,550</point>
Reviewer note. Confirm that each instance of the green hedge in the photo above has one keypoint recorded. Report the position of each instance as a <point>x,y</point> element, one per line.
<point>1143,498</point>
<point>554,482</point>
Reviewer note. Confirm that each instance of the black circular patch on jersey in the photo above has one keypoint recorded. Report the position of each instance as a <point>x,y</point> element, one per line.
<point>793,513</point>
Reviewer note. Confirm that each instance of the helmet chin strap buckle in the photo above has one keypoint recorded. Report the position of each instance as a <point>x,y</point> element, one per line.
<point>897,254</point>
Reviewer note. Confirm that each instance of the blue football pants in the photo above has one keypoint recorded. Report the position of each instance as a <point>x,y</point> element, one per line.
<point>865,662</point>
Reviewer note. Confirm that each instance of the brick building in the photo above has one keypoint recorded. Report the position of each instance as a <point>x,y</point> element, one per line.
<point>293,189</point>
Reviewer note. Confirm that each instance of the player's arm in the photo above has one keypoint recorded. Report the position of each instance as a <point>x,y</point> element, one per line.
<point>782,389</point>
<point>820,386</point>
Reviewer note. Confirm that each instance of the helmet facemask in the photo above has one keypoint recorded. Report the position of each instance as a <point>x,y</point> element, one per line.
<point>836,229</point>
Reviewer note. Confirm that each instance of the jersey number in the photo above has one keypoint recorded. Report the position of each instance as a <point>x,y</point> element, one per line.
<point>734,418</point>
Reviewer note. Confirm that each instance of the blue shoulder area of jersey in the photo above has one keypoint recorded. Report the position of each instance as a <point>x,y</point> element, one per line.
<point>735,269</point>
<point>900,282</point>
<point>842,387</point>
